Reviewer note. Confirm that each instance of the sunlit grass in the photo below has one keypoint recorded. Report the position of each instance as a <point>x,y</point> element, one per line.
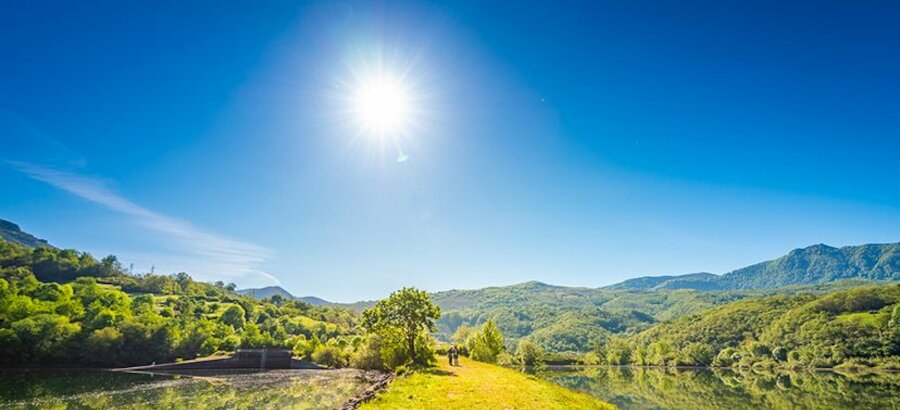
<point>479,386</point>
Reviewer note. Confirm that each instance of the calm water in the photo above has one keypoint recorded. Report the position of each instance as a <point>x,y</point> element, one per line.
<point>291,389</point>
<point>695,389</point>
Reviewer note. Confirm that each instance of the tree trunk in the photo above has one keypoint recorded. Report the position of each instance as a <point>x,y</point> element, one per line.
<point>411,341</point>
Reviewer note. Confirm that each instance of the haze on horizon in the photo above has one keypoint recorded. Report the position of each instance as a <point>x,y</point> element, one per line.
<point>347,149</point>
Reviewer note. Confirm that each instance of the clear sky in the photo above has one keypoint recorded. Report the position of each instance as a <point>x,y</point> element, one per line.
<point>575,143</point>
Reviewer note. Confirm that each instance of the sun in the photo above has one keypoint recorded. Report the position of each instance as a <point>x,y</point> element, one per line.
<point>382,106</point>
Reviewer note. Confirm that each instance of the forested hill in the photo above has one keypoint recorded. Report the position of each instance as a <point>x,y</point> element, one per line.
<point>810,265</point>
<point>266,292</point>
<point>859,326</point>
<point>12,233</point>
<point>269,291</point>
<point>64,307</point>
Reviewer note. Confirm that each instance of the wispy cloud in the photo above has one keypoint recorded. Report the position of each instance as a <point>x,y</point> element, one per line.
<point>214,255</point>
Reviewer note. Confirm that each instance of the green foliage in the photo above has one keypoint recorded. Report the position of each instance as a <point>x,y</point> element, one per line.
<point>368,354</point>
<point>330,355</point>
<point>233,316</point>
<point>529,354</point>
<point>570,319</point>
<point>486,344</point>
<point>716,389</point>
<point>696,354</point>
<point>616,351</point>
<point>110,318</point>
<point>403,321</point>
<point>806,329</point>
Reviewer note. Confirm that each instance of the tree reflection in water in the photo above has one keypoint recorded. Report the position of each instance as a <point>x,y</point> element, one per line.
<point>294,389</point>
<point>675,389</point>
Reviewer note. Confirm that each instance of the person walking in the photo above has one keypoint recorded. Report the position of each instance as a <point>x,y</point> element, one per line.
<point>452,353</point>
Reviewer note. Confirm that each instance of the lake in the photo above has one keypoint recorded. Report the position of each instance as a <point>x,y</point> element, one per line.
<point>628,388</point>
<point>694,389</point>
<point>86,389</point>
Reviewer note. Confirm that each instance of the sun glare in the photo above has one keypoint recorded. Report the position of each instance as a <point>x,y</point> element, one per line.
<point>382,106</point>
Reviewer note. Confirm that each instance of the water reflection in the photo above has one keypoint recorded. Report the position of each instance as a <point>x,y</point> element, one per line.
<point>675,389</point>
<point>69,389</point>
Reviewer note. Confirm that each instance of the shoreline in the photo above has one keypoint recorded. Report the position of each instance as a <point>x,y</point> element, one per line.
<point>814,369</point>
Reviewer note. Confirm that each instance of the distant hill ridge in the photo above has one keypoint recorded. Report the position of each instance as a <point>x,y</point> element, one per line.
<point>811,265</point>
<point>269,291</point>
<point>12,233</point>
<point>816,264</point>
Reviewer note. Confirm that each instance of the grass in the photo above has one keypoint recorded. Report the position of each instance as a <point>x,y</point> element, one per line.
<point>481,386</point>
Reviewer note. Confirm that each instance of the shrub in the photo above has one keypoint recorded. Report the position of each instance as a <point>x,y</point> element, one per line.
<point>329,355</point>
<point>368,354</point>
<point>529,354</point>
<point>487,344</point>
<point>696,354</point>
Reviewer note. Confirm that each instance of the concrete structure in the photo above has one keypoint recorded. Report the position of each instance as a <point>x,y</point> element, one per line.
<point>243,359</point>
<point>263,358</point>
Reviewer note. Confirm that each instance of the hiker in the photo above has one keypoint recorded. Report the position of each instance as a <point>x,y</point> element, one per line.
<point>455,355</point>
<point>451,354</point>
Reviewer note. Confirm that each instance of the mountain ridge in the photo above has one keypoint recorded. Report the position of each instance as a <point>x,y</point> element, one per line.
<point>813,264</point>
<point>13,233</point>
<point>269,291</point>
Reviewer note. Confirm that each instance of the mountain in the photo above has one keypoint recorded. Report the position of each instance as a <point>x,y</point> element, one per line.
<point>266,292</point>
<point>811,265</point>
<point>688,281</point>
<point>12,233</point>
<point>563,318</point>
<point>815,329</point>
<point>315,301</point>
<point>819,264</point>
<point>269,291</point>
<point>569,318</point>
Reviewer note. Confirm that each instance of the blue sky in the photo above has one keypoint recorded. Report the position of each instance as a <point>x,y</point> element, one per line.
<point>581,143</point>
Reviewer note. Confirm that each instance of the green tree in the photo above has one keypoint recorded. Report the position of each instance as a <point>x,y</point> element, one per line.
<point>696,354</point>
<point>529,354</point>
<point>618,351</point>
<point>462,334</point>
<point>661,353</point>
<point>405,317</point>
<point>640,356</point>
<point>330,354</point>
<point>487,343</point>
<point>234,316</point>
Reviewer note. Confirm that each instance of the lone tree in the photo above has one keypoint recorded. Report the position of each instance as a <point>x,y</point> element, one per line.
<point>407,313</point>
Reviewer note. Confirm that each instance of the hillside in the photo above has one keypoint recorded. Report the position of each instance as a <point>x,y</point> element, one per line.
<point>820,330</point>
<point>810,265</point>
<point>566,318</point>
<point>12,233</point>
<point>269,291</point>
<point>699,281</point>
<point>818,264</point>
<point>63,307</point>
<point>266,292</point>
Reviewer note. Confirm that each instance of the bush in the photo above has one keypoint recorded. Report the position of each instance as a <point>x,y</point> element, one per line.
<point>368,354</point>
<point>696,354</point>
<point>529,354</point>
<point>401,370</point>
<point>618,351</point>
<point>329,355</point>
<point>487,343</point>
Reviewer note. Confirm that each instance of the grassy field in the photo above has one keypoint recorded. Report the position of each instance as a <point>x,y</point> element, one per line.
<point>478,385</point>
